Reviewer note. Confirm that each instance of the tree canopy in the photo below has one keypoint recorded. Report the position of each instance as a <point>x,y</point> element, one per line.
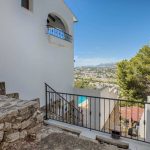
<point>82,83</point>
<point>133,76</point>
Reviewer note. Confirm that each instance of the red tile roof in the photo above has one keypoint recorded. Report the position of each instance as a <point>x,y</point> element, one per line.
<point>133,112</point>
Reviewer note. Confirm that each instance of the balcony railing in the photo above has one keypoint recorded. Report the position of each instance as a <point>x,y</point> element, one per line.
<point>120,118</point>
<point>53,31</point>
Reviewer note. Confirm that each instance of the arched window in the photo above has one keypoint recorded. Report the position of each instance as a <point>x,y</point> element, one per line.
<point>57,28</point>
<point>56,22</point>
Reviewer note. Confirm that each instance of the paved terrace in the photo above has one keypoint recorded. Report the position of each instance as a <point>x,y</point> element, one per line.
<point>87,134</point>
<point>53,138</point>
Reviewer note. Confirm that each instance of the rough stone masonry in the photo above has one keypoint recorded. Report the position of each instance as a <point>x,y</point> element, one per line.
<point>19,119</point>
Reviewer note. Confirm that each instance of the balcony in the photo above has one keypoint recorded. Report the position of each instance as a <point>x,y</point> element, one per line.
<point>58,27</point>
<point>58,33</point>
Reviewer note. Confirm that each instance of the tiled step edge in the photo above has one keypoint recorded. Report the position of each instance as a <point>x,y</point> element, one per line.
<point>74,131</point>
<point>117,143</point>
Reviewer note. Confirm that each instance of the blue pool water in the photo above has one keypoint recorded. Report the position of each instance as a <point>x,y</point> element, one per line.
<point>81,99</point>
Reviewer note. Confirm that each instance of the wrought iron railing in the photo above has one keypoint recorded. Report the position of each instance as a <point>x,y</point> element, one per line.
<point>56,32</point>
<point>114,116</point>
<point>59,107</point>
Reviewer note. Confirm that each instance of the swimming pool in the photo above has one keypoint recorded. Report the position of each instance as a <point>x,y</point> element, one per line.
<point>81,99</point>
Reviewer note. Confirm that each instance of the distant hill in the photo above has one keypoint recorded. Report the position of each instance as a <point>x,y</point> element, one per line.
<point>107,65</point>
<point>102,65</point>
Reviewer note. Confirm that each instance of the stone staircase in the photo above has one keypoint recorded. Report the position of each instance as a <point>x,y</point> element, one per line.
<point>3,91</point>
<point>19,119</point>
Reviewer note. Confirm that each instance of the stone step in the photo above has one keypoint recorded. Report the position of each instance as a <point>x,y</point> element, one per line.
<point>13,95</point>
<point>111,141</point>
<point>65,128</point>
<point>9,95</point>
<point>2,88</point>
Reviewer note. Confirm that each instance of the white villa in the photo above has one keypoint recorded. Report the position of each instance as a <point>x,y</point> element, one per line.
<point>37,47</point>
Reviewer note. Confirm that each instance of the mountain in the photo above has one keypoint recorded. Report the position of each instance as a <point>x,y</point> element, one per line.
<point>107,65</point>
<point>102,65</point>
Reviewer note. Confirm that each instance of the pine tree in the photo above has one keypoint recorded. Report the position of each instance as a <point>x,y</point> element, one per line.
<point>133,76</point>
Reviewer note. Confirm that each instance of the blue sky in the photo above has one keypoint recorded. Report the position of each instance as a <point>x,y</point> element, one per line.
<point>109,30</point>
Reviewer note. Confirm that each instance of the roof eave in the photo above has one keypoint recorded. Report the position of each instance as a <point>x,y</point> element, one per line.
<point>74,17</point>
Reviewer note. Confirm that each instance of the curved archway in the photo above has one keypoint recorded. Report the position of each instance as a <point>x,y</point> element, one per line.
<point>56,21</point>
<point>57,27</point>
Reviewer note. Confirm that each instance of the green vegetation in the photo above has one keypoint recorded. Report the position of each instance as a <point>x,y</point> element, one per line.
<point>133,76</point>
<point>83,83</point>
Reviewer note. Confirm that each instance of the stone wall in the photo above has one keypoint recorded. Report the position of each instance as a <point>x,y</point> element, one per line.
<point>19,119</point>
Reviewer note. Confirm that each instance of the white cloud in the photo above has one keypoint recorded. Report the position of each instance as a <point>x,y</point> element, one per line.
<point>81,61</point>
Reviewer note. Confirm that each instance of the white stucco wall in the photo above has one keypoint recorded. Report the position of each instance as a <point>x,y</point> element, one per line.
<point>147,119</point>
<point>146,127</point>
<point>97,106</point>
<point>141,127</point>
<point>28,58</point>
<point>87,92</point>
<point>107,105</point>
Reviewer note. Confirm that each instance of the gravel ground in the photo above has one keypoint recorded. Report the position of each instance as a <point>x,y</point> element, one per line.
<point>51,138</point>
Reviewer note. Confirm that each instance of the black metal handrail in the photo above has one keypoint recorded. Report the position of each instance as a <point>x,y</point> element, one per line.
<point>108,98</point>
<point>49,90</point>
<point>58,95</point>
<point>108,115</point>
<point>56,32</point>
